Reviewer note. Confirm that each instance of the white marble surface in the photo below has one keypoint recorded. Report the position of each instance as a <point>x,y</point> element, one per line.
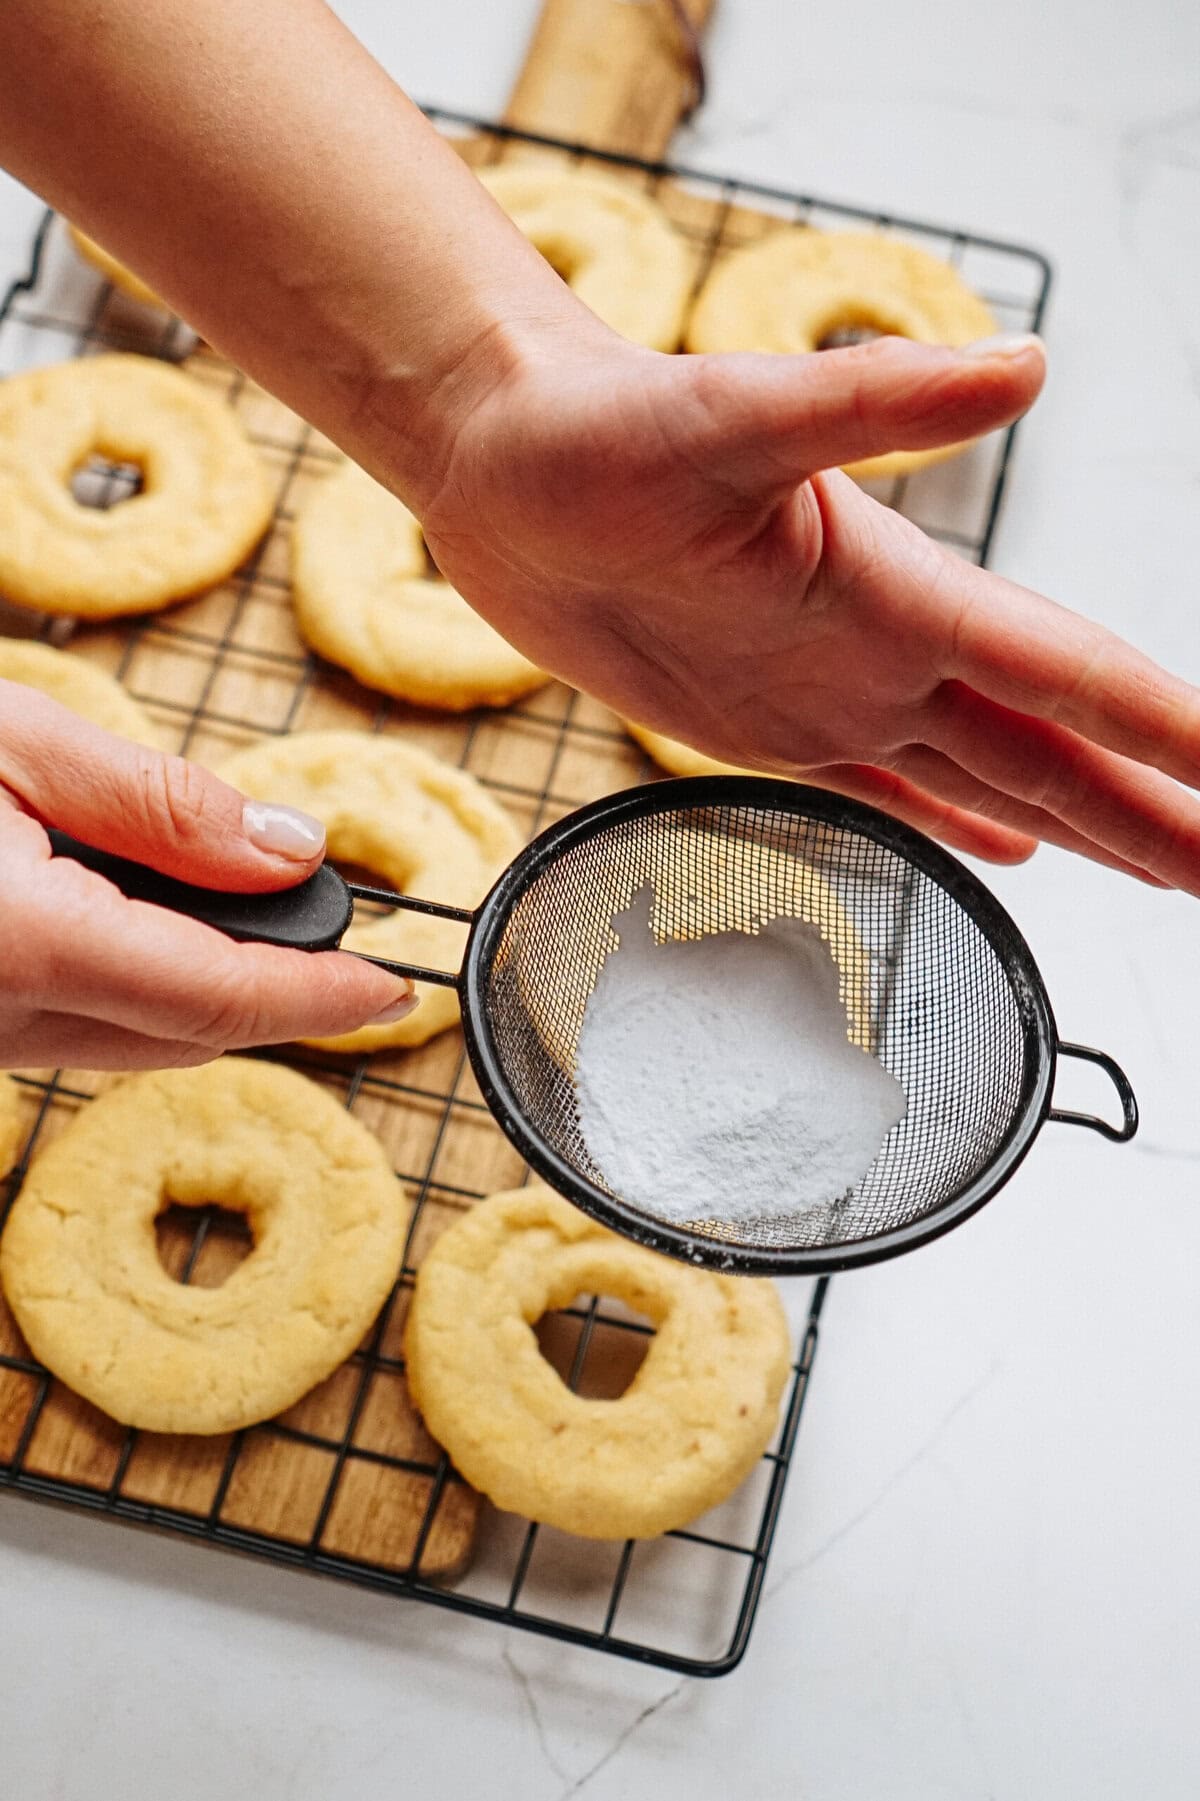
<point>986,1585</point>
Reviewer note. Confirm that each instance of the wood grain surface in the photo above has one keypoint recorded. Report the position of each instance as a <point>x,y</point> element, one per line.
<point>612,74</point>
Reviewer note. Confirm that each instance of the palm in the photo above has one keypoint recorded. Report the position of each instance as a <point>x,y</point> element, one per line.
<point>653,530</point>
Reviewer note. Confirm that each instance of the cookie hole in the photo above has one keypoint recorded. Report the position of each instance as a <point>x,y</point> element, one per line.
<point>202,1246</point>
<point>615,1352</point>
<point>97,482</point>
<point>841,337</point>
<point>367,878</point>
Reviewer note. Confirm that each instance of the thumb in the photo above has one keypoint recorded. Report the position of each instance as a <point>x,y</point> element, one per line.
<point>137,803</point>
<point>776,420</point>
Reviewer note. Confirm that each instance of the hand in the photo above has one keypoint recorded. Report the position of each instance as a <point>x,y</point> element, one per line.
<point>96,981</point>
<point>658,531</point>
<point>655,529</point>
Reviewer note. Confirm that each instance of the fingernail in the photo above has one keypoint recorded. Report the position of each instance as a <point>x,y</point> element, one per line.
<point>283,831</point>
<point>397,1009</point>
<point>1004,343</point>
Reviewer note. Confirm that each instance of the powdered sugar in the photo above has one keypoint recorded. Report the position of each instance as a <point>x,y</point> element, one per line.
<point>715,1077</point>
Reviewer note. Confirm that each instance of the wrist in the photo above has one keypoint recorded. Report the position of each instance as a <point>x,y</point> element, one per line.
<point>412,413</point>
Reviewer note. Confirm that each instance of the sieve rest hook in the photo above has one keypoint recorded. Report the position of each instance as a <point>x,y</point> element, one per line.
<point>1120,1081</point>
<point>312,916</point>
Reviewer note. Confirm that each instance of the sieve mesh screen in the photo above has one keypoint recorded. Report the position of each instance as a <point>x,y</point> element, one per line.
<point>928,990</point>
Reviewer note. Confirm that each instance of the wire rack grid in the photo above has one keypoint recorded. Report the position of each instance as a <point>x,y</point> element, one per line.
<point>219,671</point>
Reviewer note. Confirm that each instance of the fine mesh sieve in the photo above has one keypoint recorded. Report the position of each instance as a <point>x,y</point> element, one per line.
<point>938,985</point>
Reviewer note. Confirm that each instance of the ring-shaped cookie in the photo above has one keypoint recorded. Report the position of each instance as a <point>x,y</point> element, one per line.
<point>611,244</point>
<point>690,1427</point>
<point>203,505</point>
<point>795,289</point>
<point>80,1266</point>
<point>423,827</point>
<point>77,684</point>
<point>12,1126</point>
<point>114,271</point>
<point>363,599</point>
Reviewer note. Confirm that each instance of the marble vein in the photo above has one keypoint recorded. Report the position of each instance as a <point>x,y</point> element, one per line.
<point>528,1700</point>
<point>623,1737</point>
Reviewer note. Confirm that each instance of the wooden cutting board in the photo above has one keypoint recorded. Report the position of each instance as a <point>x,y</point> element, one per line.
<point>613,74</point>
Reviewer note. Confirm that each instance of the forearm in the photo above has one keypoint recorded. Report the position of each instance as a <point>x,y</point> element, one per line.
<point>269,179</point>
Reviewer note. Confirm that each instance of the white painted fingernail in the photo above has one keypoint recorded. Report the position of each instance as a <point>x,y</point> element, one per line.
<point>1004,343</point>
<point>283,831</point>
<point>397,1009</point>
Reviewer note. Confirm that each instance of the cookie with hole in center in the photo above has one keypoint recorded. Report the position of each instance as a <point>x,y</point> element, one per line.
<point>79,1260</point>
<point>420,825</point>
<point>795,290</point>
<point>612,245</point>
<point>692,1424</point>
<point>203,505</point>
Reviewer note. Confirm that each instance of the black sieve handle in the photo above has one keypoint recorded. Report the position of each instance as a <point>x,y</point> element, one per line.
<point>309,917</point>
<point>312,916</point>
<point>1120,1081</point>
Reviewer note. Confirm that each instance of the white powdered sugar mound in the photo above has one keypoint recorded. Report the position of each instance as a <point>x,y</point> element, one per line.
<point>716,1080</point>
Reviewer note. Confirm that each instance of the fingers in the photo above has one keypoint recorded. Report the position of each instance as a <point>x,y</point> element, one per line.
<point>961,829</point>
<point>159,810</point>
<point>1039,658</point>
<point>1118,806</point>
<point>948,778</point>
<point>775,420</point>
<point>88,951</point>
<point>1014,646</point>
<point>61,1040</point>
<point>1037,703</point>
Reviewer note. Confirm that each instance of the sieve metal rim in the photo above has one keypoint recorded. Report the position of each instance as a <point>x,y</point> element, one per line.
<point>697,793</point>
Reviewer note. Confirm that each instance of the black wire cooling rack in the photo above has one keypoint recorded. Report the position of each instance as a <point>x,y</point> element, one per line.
<point>217,672</point>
